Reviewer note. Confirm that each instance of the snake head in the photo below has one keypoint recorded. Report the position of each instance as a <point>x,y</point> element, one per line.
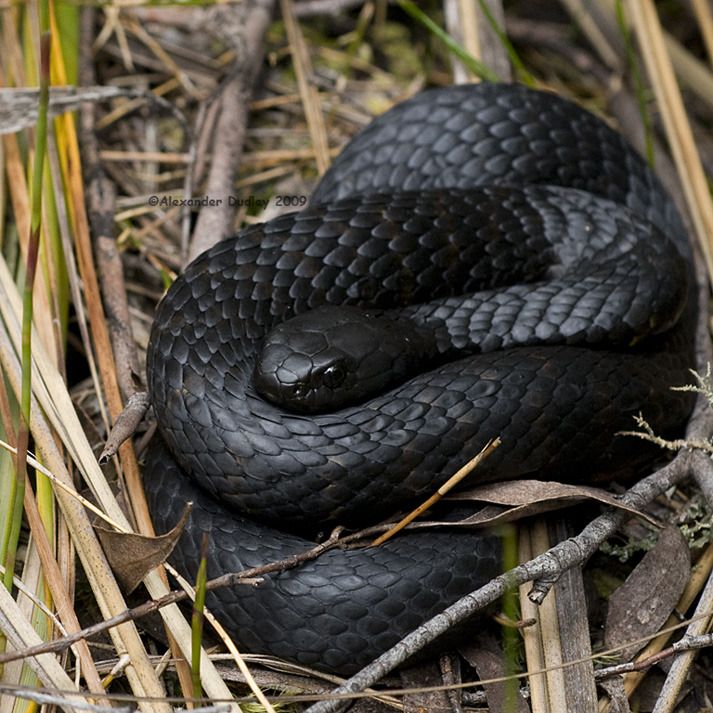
<point>334,357</point>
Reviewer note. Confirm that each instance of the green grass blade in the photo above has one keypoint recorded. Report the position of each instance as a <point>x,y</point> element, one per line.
<point>512,641</point>
<point>197,621</point>
<point>18,488</point>
<point>472,64</point>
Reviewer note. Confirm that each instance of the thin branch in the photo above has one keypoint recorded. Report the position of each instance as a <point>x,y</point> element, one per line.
<point>687,643</point>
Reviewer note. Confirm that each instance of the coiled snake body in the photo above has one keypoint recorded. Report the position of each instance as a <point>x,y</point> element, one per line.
<point>527,234</point>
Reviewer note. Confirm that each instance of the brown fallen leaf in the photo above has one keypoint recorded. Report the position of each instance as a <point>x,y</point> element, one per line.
<point>644,602</point>
<point>488,660</point>
<point>132,556</point>
<point>516,499</point>
<point>419,677</point>
<point>618,700</point>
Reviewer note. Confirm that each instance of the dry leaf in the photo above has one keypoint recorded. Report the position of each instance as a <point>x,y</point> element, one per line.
<point>419,677</point>
<point>515,499</point>
<point>488,660</point>
<point>133,556</point>
<point>644,602</point>
<point>618,701</point>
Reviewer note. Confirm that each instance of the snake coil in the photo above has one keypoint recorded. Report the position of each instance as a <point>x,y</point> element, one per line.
<point>554,269</point>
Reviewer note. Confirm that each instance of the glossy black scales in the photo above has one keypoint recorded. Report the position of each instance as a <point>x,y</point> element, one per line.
<point>555,273</point>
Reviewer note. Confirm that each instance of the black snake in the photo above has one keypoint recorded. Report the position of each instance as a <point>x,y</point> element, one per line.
<point>533,239</point>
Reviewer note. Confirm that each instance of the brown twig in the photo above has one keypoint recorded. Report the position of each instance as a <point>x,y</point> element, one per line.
<point>101,196</point>
<point>687,643</point>
<point>125,425</point>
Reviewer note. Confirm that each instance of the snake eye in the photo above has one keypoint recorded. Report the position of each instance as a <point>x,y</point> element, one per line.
<point>334,375</point>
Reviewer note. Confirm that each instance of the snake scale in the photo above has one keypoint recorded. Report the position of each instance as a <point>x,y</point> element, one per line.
<point>556,273</point>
